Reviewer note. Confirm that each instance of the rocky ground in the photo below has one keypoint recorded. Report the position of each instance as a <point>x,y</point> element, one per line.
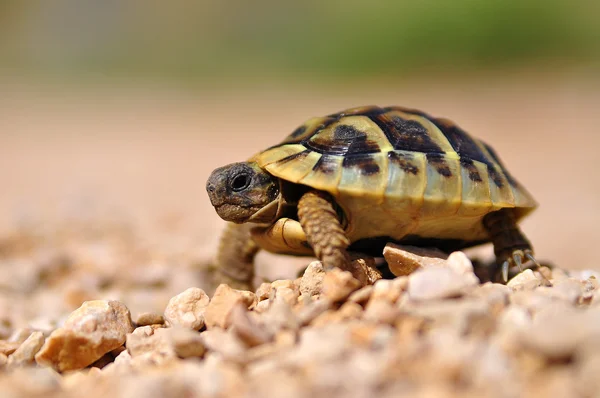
<point>106,234</point>
<point>436,332</point>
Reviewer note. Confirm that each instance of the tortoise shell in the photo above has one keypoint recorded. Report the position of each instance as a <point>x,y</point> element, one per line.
<point>399,173</point>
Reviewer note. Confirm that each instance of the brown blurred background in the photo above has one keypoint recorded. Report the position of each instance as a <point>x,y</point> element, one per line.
<point>115,112</point>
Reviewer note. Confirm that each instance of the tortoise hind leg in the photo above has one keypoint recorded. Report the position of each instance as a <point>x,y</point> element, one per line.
<point>319,219</point>
<point>511,247</point>
<point>235,257</point>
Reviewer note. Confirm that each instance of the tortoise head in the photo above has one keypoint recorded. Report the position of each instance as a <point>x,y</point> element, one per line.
<point>243,192</point>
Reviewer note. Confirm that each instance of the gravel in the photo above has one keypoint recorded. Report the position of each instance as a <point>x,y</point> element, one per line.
<point>435,330</point>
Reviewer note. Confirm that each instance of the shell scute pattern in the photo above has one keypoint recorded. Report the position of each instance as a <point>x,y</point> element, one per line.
<point>402,155</point>
<point>348,136</point>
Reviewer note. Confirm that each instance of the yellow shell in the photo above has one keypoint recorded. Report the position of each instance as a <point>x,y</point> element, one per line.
<point>400,174</point>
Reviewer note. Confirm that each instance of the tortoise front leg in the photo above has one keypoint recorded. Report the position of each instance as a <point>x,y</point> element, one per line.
<point>511,247</point>
<point>317,215</point>
<point>235,257</point>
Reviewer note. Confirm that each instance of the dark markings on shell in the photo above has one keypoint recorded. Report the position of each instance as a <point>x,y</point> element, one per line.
<point>439,163</point>
<point>467,149</point>
<point>464,145</point>
<point>346,140</point>
<point>495,176</point>
<point>407,135</point>
<point>365,164</point>
<point>326,165</point>
<point>403,160</point>
<point>470,167</point>
<point>298,132</point>
<point>295,137</point>
<point>494,156</point>
<point>300,156</point>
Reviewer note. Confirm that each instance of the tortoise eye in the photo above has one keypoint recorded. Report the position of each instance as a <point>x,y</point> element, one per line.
<point>240,182</point>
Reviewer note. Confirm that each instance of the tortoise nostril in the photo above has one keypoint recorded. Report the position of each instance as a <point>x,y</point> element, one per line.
<point>210,187</point>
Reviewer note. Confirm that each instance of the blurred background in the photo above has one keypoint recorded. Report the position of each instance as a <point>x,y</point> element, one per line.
<point>113,113</point>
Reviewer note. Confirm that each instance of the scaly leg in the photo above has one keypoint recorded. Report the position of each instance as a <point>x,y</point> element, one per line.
<point>511,247</point>
<point>235,257</point>
<point>317,215</point>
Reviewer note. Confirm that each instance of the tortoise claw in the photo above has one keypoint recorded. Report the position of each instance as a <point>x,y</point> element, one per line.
<point>505,266</point>
<point>518,259</point>
<point>530,257</point>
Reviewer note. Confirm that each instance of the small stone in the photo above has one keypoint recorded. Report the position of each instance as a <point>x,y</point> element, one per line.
<point>162,345</point>
<point>248,330</point>
<point>262,306</point>
<point>123,358</point>
<point>381,311</point>
<point>365,270</point>
<point>404,260</point>
<point>338,284</point>
<point>25,354</point>
<point>20,335</point>
<point>285,338</point>
<point>348,311</point>
<point>532,300</point>
<point>312,310</point>
<point>149,318</point>
<point>363,335</point>
<point>225,299</point>
<point>30,381</point>
<point>186,343</point>
<point>386,289</point>
<point>143,331</point>
<point>525,280</point>
<point>514,317</point>
<point>143,340</point>
<point>8,347</point>
<point>362,295</point>
<point>409,326</point>
<point>283,283</point>
<point>492,292</point>
<point>264,291</point>
<point>225,343</point>
<point>436,282</point>
<point>460,263</point>
<point>289,295</point>
<point>463,316</point>
<point>558,331</point>
<point>569,290</point>
<point>91,331</point>
<point>590,286</point>
<point>312,281</point>
<point>280,317</point>
<point>187,309</point>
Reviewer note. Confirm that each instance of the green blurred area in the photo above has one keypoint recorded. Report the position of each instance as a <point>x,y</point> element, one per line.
<point>260,40</point>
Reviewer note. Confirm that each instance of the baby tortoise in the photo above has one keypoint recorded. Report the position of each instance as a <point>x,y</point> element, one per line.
<point>360,178</point>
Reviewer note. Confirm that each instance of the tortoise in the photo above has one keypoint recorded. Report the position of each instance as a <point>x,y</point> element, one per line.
<point>362,177</point>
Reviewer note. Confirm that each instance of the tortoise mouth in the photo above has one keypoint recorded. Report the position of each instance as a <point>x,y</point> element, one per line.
<point>255,214</point>
<point>234,213</point>
<point>267,214</point>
